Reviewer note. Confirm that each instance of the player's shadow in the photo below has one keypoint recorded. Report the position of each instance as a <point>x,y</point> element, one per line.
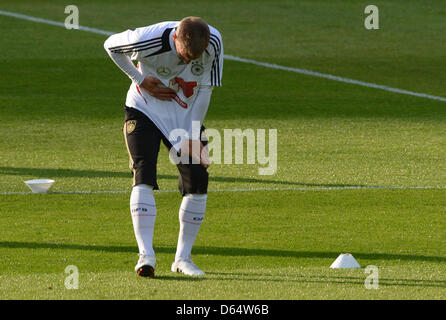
<point>231,251</point>
<point>332,279</point>
<point>260,277</point>
<point>180,277</point>
<point>222,251</point>
<point>61,173</point>
<point>82,173</point>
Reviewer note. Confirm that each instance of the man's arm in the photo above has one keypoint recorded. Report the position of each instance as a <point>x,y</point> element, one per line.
<point>214,67</point>
<point>201,104</point>
<point>118,47</point>
<point>193,145</point>
<point>122,58</point>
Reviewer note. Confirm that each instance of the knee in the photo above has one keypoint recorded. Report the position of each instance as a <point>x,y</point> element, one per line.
<point>194,180</point>
<point>196,196</point>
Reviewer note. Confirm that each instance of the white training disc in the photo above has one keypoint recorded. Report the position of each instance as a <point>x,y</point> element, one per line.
<point>345,261</point>
<point>39,185</point>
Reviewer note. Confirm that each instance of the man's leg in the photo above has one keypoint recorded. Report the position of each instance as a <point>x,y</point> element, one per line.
<point>193,182</point>
<point>143,140</point>
<point>191,216</point>
<point>143,210</point>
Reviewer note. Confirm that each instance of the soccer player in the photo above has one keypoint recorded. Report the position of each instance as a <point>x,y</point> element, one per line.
<point>178,64</point>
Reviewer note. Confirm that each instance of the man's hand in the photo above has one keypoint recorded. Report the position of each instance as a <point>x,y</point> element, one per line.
<point>197,151</point>
<point>150,84</point>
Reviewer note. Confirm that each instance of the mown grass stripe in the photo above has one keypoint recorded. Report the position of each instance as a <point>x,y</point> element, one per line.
<point>258,63</point>
<point>334,188</point>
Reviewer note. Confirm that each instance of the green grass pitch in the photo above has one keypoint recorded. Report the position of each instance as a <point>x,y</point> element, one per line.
<point>61,101</point>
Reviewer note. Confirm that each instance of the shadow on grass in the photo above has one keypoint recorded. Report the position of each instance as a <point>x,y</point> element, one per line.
<point>329,279</point>
<point>75,173</point>
<point>255,276</point>
<point>223,251</point>
<point>62,173</point>
<point>332,279</point>
<point>181,278</point>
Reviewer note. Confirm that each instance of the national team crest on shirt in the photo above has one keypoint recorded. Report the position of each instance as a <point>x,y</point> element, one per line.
<point>197,68</point>
<point>163,71</point>
<point>130,126</point>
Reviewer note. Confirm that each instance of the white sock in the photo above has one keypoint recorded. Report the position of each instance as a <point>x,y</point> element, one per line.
<point>191,216</point>
<point>143,210</point>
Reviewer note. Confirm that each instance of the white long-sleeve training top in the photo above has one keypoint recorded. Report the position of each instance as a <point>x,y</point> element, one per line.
<point>154,50</point>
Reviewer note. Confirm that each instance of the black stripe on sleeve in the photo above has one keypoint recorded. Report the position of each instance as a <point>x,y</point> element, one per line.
<point>213,70</point>
<point>165,43</point>
<point>136,44</point>
<point>215,73</point>
<point>212,75</point>
<point>141,48</point>
<point>218,40</point>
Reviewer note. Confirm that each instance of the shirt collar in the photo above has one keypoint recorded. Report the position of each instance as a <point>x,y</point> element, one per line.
<point>171,42</point>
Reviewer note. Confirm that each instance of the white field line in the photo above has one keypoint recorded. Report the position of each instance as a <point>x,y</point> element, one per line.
<point>250,189</point>
<point>258,63</point>
<point>336,78</point>
<point>52,22</point>
<point>264,64</point>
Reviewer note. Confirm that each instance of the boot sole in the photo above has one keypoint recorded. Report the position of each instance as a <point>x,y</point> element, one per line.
<point>146,272</point>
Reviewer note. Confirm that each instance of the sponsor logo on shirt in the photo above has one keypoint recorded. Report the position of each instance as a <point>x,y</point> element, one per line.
<point>163,71</point>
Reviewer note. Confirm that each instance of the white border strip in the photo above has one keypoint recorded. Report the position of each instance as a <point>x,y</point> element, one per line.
<point>336,78</point>
<point>52,22</point>
<point>340,188</point>
<point>258,63</point>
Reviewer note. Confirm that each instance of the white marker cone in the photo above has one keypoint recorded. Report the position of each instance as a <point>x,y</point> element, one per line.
<point>39,185</point>
<point>345,261</point>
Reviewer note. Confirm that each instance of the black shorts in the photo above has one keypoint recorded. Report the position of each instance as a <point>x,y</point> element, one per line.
<point>143,141</point>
